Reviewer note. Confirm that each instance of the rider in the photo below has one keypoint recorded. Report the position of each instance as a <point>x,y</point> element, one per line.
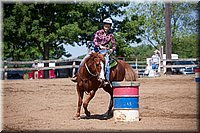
<point>101,41</point>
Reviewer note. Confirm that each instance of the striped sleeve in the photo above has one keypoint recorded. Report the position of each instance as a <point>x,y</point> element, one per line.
<point>113,42</point>
<point>95,39</point>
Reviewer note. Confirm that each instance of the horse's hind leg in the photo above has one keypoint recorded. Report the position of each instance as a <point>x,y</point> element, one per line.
<point>109,112</point>
<point>86,102</point>
<point>80,101</point>
<point>110,91</point>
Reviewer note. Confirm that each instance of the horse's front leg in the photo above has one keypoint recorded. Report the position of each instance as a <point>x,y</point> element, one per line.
<point>86,102</point>
<point>80,101</point>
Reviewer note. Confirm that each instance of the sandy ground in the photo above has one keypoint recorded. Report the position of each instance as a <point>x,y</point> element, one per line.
<point>167,103</point>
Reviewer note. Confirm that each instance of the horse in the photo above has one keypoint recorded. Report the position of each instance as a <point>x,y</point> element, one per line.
<point>91,76</point>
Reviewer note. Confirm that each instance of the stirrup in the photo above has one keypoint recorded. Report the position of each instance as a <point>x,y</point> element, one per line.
<point>74,79</point>
<point>107,83</point>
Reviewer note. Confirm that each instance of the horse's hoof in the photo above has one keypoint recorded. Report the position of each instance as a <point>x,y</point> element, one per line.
<point>87,113</point>
<point>108,115</point>
<point>76,118</point>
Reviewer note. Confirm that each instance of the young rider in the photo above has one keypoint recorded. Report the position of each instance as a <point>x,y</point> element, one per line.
<point>101,41</point>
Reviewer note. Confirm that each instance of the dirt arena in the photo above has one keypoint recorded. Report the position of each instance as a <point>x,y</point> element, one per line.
<point>167,103</point>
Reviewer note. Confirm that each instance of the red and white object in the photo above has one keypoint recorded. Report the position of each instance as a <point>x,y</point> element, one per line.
<point>197,74</point>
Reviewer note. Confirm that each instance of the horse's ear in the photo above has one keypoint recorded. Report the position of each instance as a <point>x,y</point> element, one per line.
<point>102,57</point>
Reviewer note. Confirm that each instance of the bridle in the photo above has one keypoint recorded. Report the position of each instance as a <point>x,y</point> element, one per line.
<point>88,70</point>
<point>94,75</point>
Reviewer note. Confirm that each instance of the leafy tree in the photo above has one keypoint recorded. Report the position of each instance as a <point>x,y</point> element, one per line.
<point>186,46</point>
<point>33,31</point>
<point>128,34</point>
<point>153,14</point>
<point>184,23</point>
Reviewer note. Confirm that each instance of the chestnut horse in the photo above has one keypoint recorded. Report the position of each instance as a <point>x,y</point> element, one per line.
<point>91,76</point>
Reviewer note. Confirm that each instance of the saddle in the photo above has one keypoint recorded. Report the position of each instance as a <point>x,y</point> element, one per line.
<point>113,62</point>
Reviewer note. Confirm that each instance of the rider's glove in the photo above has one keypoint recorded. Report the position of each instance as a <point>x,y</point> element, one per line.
<point>96,49</point>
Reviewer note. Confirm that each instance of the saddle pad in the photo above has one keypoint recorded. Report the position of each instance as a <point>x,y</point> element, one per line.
<point>113,63</point>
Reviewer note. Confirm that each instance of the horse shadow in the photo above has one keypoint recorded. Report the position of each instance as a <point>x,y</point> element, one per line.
<point>97,116</point>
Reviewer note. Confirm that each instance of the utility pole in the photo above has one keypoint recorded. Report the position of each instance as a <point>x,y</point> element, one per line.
<point>168,41</point>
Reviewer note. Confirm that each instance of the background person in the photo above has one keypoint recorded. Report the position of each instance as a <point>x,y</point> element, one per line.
<point>155,59</point>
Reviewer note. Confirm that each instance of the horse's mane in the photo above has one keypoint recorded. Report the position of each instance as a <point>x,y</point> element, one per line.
<point>92,56</point>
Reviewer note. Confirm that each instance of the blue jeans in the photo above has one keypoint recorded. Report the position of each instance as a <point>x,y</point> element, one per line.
<point>107,64</point>
<point>154,66</point>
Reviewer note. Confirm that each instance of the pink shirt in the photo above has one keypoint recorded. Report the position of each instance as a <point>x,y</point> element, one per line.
<point>101,38</point>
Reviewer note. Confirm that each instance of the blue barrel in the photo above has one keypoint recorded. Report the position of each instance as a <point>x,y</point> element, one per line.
<point>126,101</point>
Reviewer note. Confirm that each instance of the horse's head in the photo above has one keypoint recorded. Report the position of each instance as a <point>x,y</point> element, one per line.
<point>95,65</point>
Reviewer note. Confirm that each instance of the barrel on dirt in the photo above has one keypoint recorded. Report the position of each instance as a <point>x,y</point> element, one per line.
<point>197,74</point>
<point>126,101</point>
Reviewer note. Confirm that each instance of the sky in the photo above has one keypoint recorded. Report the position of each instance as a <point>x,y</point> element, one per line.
<point>76,50</point>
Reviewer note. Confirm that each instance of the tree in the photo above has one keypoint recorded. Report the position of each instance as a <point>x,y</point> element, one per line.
<point>153,14</point>
<point>32,31</point>
<point>168,35</point>
<point>128,34</point>
<point>38,30</point>
<point>184,22</point>
<point>186,46</point>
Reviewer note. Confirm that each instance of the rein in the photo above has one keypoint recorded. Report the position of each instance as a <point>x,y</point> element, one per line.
<point>94,75</point>
<point>88,70</point>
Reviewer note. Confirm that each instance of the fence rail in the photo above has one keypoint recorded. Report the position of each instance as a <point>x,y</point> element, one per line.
<point>165,66</point>
<point>40,61</point>
<point>41,68</point>
<point>139,66</point>
<point>182,59</point>
<point>178,66</point>
<point>22,65</point>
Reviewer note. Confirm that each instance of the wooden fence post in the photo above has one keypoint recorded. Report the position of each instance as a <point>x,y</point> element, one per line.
<point>5,71</point>
<point>36,70</point>
<point>73,68</point>
<point>136,66</point>
<point>161,61</point>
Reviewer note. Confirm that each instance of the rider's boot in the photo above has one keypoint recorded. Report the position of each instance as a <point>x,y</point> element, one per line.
<point>106,83</point>
<point>74,78</point>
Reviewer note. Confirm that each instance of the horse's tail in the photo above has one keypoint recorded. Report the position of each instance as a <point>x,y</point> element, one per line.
<point>130,73</point>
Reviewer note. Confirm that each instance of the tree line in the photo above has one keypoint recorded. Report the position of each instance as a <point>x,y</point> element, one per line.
<point>39,30</point>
